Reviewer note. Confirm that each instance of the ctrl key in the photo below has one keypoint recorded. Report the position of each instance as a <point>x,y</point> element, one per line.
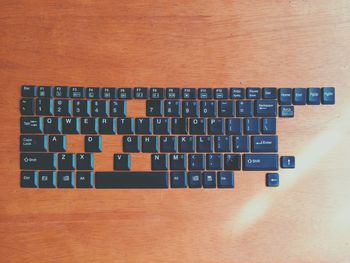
<point>29,179</point>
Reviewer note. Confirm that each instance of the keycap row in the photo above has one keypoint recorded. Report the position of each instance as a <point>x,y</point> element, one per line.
<point>299,96</point>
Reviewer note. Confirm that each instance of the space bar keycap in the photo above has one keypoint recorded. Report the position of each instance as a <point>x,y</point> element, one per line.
<point>131,180</point>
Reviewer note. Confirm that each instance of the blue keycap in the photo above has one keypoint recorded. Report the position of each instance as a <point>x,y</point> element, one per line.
<point>196,162</point>
<point>260,162</point>
<point>216,126</point>
<point>234,126</point>
<point>286,111</point>
<point>226,180</point>
<point>264,143</point>
<point>253,93</point>
<point>268,126</point>
<point>252,126</point>
<point>178,179</point>
<point>269,93</point>
<point>245,108</point>
<point>168,144</point>
<point>288,162</point>
<point>214,162</point>
<point>299,96</point>
<point>195,179</point>
<point>226,108</point>
<point>186,144</point>
<point>241,143</point>
<point>313,96</point>
<point>204,144</point>
<point>328,95</point>
<point>209,179</point>
<point>237,93</point>
<point>285,96</point>
<point>272,179</point>
<point>266,108</point>
<point>222,143</point>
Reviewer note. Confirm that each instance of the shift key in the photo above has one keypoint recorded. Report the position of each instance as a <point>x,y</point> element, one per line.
<point>260,162</point>
<point>38,161</point>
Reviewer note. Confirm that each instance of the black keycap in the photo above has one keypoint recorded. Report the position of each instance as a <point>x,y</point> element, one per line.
<point>269,93</point>
<point>93,143</point>
<point>173,93</point>
<point>234,126</point>
<point>85,161</point>
<point>226,108</point>
<point>141,93</point>
<point>186,144</point>
<point>70,125</point>
<point>131,179</point>
<point>232,162</point>
<point>65,179</point>
<point>159,162</point>
<point>38,161</point>
<point>61,92</point>
<point>204,144</point>
<point>29,179</point>
<point>44,106</point>
<point>264,144</point>
<point>221,93</point>
<point>124,93</point>
<point>196,162</point>
<point>27,106</point>
<point>189,108</point>
<point>63,108</point>
<point>131,144</point>
<point>209,179</point>
<point>28,91</point>
<point>77,92</point>
<point>205,93</point>
<point>237,93</point>
<point>154,108</point>
<point>92,93</point>
<point>198,126</point>
<point>285,96</point>
<point>179,126</point>
<point>47,179</point>
<point>178,161</point>
<point>260,162</point>
<point>208,108</point>
<point>252,126</point>
<point>31,125</point>
<point>125,126</point>
<point>178,179</point>
<point>214,162</point>
<point>33,143</point>
<point>172,108</point>
<point>223,144</point>
<point>168,144</point>
<point>194,179</point>
<point>66,161</point>
<point>99,108</point>
<point>157,93</point>
<point>44,92</point>
<point>150,144</point>
<point>245,108</point>
<point>108,93</point>
<point>143,126</point>
<point>240,143</point>
<point>81,108</point>
<point>57,143</point>
<point>117,108</point>
<point>216,126</point>
<point>85,179</point>
<point>265,108</point>
<point>161,126</point>
<point>188,93</point>
<point>107,125</point>
<point>121,162</point>
<point>253,93</point>
<point>268,126</point>
<point>226,180</point>
<point>52,125</point>
<point>88,125</point>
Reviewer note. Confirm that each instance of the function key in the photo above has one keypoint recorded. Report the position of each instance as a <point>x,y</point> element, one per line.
<point>141,93</point>
<point>125,93</point>
<point>92,93</point>
<point>44,92</point>
<point>28,91</point>
<point>157,93</point>
<point>313,96</point>
<point>108,93</point>
<point>76,92</point>
<point>269,93</point>
<point>173,93</point>
<point>328,95</point>
<point>285,96</point>
<point>253,93</point>
<point>205,93</point>
<point>189,93</point>
<point>221,93</point>
<point>60,92</point>
<point>237,93</point>
<point>299,96</point>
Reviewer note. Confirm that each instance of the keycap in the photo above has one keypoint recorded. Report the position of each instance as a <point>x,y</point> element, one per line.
<point>107,125</point>
<point>178,179</point>
<point>154,108</point>
<point>140,93</point>
<point>161,126</point>
<point>196,162</point>
<point>125,126</point>
<point>122,162</point>
<point>209,179</point>
<point>159,162</point>
<point>205,93</point>
<point>299,96</point>
<point>244,108</point>
<point>198,126</point>
<point>222,143</point>
<point>47,179</point>
<point>194,179</point>
<point>237,93</point>
<point>63,107</point>
<point>52,125</point>
<point>29,179</point>
<point>286,111</point>
<point>186,144</point>
<point>66,161</point>
<point>208,109</point>
<point>252,126</point>
<point>313,96</point>
<point>268,126</point>
<point>179,125</point>
<point>65,179</point>
<point>118,108</point>
<point>221,93</point>
<point>28,91</point>
<point>190,108</point>
<point>232,162</point>
<point>260,162</point>
<point>108,93</point>
<point>216,126</point>
<point>92,93</point>
<point>150,144</point>
<point>234,126</point>
<point>124,93</point>
<point>57,143</point>
<point>214,161</point>
<point>226,180</point>
<point>287,162</point>
<point>253,93</point>
<point>178,161</point>
<point>81,108</point>
<point>44,92</point>
<point>204,144</point>
<point>93,143</point>
<point>240,143</point>
<point>285,96</point>
<point>157,93</point>
<point>89,125</point>
<point>99,108</point>
<point>44,106</point>
<point>27,106</point>
<point>85,161</point>
<point>188,93</point>
<point>143,126</point>
<point>226,108</point>
<point>77,92</point>
<point>70,125</point>
<point>264,144</point>
<point>172,108</point>
<point>173,93</point>
<point>131,179</point>
<point>38,161</point>
<point>328,95</point>
<point>272,179</point>
<point>266,108</point>
<point>85,179</point>
<point>269,93</point>
<point>168,144</point>
<point>33,143</point>
<point>131,144</point>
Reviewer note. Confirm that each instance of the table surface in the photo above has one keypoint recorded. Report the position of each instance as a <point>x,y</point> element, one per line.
<point>182,44</point>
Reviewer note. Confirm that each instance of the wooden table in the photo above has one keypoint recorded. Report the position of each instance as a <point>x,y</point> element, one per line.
<point>182,44</point>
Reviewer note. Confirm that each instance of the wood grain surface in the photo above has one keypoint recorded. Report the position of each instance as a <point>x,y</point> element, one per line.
<point>182,44</point>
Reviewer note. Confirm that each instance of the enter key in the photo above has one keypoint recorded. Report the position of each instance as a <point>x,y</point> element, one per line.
<point>264,144</point>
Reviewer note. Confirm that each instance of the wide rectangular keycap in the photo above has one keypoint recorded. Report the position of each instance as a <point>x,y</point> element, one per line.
<point>131,179</point>
<point>38,161</point>
<point>260,162</point>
